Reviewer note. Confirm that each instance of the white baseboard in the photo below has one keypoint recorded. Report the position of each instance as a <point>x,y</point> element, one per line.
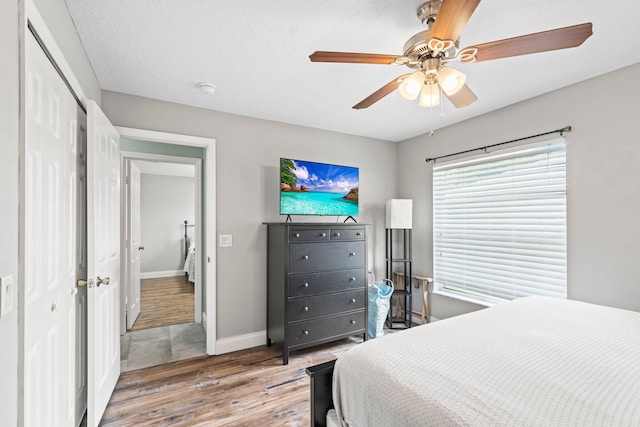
<point>241,342</point>
<point>158,274</point>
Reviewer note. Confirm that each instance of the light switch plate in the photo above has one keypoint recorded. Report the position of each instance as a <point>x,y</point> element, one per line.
<point>225,240</point>
<point>6,295</point>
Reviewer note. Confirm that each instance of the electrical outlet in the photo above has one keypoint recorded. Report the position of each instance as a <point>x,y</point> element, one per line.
<point>226,240</point>
<point>6,295</point>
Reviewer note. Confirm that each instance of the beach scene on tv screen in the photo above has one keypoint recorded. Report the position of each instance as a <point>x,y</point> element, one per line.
<point>309,188</point>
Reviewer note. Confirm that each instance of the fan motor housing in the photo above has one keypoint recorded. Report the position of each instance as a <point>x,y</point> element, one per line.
<point>417,49</point>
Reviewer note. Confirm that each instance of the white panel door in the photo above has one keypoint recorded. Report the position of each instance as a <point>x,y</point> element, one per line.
<point>52,307</point>
<point>133,290</point>
<point>103,261</point>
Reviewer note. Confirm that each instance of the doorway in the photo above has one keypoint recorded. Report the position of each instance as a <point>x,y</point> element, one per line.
<point>161,301</point>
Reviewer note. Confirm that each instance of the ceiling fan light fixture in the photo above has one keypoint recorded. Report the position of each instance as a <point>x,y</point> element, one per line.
<point>430,95</point>
<point>451,80</point>
<point>411,86</point>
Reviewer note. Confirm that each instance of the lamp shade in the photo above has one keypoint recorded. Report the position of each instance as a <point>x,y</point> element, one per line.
<point>430,95</point>
<point>399,213</point>
<point>411,85</point>
<point>451,80</point>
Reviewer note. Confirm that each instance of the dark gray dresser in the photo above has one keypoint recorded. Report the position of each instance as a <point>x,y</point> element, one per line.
<point>317,283</point>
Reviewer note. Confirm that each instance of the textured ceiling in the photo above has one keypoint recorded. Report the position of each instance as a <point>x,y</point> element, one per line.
<point>256,54</point>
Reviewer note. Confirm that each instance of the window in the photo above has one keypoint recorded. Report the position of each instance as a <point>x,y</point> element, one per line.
<point>499,224</point>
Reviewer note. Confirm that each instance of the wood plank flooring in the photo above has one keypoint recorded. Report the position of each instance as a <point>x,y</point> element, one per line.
<point>165,301</point>
<point>245,388</point>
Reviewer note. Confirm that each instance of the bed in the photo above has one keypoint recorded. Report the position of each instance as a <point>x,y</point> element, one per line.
<point>536,361</point>
<point>189,251</point>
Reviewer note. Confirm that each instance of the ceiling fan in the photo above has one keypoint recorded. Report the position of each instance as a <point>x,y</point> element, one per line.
<point>430,51</point>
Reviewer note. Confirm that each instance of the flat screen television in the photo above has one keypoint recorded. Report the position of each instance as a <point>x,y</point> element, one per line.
<point>310,188</point>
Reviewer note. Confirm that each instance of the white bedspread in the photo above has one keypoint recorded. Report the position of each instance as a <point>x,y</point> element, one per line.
<point>532,362</point>
<point>190,265</point>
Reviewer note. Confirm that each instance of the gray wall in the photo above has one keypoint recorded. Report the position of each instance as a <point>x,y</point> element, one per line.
<point>247,161</point>
<point>165,202</point>
<point>9,122</point>
<point>603,173</point>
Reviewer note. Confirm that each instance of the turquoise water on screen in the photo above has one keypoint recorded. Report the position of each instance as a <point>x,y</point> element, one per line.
<point>316,203</point>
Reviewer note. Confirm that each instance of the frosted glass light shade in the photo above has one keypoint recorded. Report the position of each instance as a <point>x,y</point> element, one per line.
<point>411,86</point>
<point>399,213</point>
<point>430,95</point>
<point>451,80</point>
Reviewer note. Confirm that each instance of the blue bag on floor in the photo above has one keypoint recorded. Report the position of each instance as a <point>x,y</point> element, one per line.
<point>379,300</point>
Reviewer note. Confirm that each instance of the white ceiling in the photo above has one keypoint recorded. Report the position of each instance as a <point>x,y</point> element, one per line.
<point>256,54</point>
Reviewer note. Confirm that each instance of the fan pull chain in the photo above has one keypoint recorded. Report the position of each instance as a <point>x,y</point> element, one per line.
<point>431,121</point>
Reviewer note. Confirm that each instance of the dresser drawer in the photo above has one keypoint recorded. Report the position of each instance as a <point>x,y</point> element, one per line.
<point>325,305</point>
<point>347,234</point>
<point>321,283</point>
<point>309,235</point>
<point>305,257</point>
<point>328,327</point>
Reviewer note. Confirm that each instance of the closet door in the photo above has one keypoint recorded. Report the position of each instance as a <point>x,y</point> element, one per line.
<point>54,310</point>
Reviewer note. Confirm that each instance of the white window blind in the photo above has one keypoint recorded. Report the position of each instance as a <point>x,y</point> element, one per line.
<point>499,224</point>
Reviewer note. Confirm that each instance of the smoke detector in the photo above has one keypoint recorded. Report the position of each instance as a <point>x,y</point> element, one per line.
<point>207,88</point>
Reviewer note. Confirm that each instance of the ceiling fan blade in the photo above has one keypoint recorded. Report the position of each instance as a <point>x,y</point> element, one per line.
<point>560,38</point>
<point>462,98</point>
<point>452,17</point>
<point>380,93</point>
<point>356,58</point>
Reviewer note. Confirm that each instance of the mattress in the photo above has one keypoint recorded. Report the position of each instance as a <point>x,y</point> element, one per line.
<point>536,361</point>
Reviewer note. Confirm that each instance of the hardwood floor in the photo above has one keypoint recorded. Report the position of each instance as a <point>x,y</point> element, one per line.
<point>165,301</point>
<point>245,388</point>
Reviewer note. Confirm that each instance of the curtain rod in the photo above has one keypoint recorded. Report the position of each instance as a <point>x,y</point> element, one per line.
<point>560,131</point>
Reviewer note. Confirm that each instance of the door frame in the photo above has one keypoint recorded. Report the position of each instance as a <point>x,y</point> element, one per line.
<point>130,156</point>
<point>208,200</point>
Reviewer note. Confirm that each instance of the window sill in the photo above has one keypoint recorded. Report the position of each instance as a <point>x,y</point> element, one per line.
<point>464,298</point>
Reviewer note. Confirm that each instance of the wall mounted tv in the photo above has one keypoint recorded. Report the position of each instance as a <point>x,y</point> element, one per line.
<point>310,188</point>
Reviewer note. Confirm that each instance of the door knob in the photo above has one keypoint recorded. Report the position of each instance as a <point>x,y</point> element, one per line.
<point>100,281</point>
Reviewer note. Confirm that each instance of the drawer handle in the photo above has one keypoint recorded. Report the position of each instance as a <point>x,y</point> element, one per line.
<point>353,300</point>
<point>306,257</point>
<point>358,234</point>
<point>305,332</point>
<point>297,234</point>
<point>324,234</point>
<point>306,308</point>
<point>352,254</point>
<point>352,279</point>
<point>337,234</point>
<point>353,322</point>
<point>306,285</point>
